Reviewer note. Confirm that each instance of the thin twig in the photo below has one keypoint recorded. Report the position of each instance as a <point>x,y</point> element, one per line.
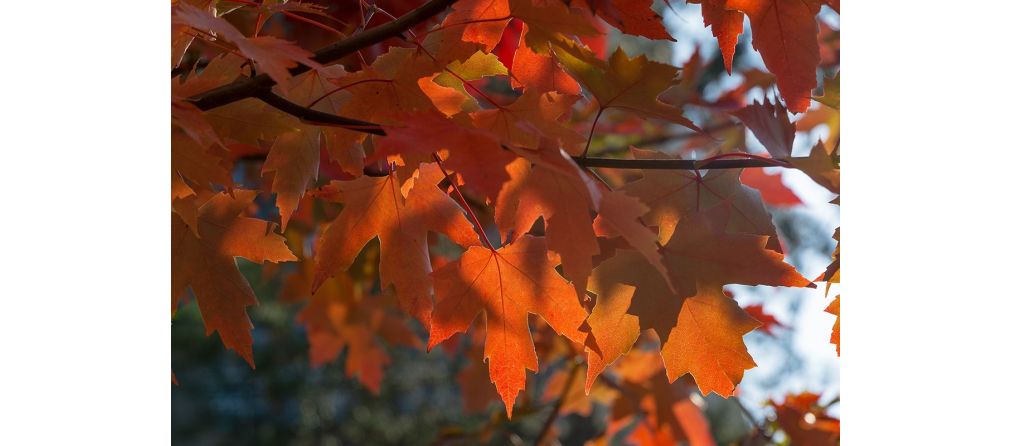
<point>665,138</point>
<point>592,129</point>
<point>759,427</point>
<point>557,405</point>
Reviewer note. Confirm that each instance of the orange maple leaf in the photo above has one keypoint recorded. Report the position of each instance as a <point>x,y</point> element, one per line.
<point>271,55</point>
<point>207,265</point>
<point>484,21</point>
<point>475,153</point>
<point>557,190</point>
<point>629,84</point>
<point>506,285</point>
<point>785,34</point>
<point>707,342</point>
<point>726,27</point>
<point>400,216</point>
<point>540,71</point>
<point>700,257</point>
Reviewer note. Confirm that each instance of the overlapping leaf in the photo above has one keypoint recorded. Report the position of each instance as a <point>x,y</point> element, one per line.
<point>628,84</point>
<point>505,285</point>
<point>785,34</point>
<point>400,216</point>
<point>206,264</point>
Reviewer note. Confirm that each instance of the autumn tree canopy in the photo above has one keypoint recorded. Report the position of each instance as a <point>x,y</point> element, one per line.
<point>432,174</point>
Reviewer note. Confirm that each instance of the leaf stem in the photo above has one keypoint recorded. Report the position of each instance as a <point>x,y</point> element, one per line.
<point>466,206</point>
<point>591,131</point>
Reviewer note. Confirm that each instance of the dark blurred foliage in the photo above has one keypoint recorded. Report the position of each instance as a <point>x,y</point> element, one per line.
<point>220,400</point>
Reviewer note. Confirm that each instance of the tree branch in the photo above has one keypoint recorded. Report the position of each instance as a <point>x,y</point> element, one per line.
<point>253,86</point>
<point>670,164</point>
<point>317,117</point>
<point>322,118</point>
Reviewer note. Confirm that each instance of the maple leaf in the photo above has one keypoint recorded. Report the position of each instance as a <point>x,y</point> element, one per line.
<point>271,55</point>
<point>701,250</point>
<point>557,190</point>
<point>293,162</point>
<point>702,334</point>
<point>671,196</point>
<point>613,331</point>
<point>548,19</point>
<point>475,153</point>
<point>447,89</point>
<point>631,296</point>
<point>321,90</point>
<point>194,165</point>
<point>541,72</point>
<point>770,125</point>
<point>400,216</point>
<point>835,308</point>
<point>484,21</point>
<point>387,86</point>
<point>773,191</point>
<point>293,158</point>
<point>202,166</point>
<point>707,342</point>
<point>531,118</point>
<point>341,316</point>
<point>726,24</point>
<point>785,34</point>
<point>207,265</point>
<point>621,215</point>
<point>506,285</point>
<point>628,84</point>
<point>700,258</point>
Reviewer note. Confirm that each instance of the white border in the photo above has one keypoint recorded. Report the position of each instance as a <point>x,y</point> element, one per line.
<point>85,255</point>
